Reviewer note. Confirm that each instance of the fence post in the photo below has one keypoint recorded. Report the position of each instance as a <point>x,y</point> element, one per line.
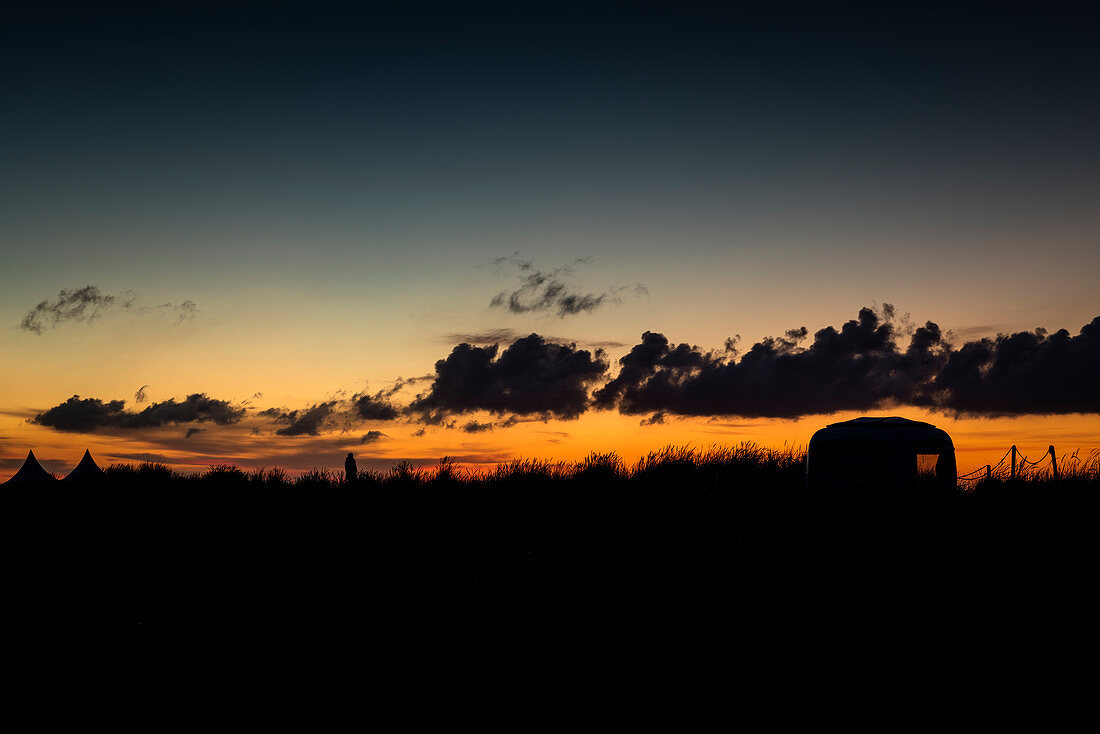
<point>1053,462</point>
<point>1013,462</point>
<point>988,472</point>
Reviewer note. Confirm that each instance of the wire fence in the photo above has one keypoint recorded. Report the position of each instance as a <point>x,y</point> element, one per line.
<point>1015,465</point>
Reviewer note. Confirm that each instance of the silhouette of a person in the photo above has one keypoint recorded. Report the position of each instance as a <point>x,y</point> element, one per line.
<point>350,471</point>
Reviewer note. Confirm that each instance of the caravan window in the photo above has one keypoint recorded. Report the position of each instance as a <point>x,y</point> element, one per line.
<point>926,465</point>
<point>936,465</point>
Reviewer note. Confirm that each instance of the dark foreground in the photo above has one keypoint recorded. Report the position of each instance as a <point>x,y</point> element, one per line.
<point>733,570</point>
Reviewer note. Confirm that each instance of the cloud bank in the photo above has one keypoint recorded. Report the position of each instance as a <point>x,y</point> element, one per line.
<point>77,415</point>
<point>1029,372</point>
<point>869,363</point>
<point>865,365</point>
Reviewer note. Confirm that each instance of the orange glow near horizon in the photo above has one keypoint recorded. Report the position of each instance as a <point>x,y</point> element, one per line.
<point>978,441</point>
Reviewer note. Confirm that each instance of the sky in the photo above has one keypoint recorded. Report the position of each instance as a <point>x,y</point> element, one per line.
<point>297,213</point>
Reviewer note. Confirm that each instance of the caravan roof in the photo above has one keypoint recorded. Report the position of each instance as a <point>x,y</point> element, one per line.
<point>890,429</point>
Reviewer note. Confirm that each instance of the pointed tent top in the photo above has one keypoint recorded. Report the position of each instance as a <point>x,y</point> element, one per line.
<point>30,473</point>
<point>86,469</point>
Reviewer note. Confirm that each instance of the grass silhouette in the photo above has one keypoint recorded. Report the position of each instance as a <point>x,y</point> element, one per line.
<point>671,462</point>
<point>714,549</point>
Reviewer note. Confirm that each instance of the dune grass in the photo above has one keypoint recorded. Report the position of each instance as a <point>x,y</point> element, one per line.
<point>721,461</point>
<point>683,531</point>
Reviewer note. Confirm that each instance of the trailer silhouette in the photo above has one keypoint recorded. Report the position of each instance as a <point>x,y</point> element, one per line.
<point>880,455</point>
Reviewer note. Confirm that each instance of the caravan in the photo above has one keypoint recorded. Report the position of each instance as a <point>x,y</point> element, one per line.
<point>871,456</point>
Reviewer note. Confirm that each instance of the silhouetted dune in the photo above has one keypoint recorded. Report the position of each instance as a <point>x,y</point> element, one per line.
<point>685,560</point>
<point>728,532</point>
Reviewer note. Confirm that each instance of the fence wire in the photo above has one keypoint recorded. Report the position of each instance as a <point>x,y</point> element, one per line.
<point>1068,466</point>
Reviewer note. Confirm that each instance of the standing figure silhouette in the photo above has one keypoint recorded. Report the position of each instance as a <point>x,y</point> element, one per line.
<point>350,471</point>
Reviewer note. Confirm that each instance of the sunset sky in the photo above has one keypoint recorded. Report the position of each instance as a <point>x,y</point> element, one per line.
<point>292,213</point>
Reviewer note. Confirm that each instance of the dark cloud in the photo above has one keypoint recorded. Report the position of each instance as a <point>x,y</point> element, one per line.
<point>77,415</point>
<point>197,408</point>
<point>644,361</point>
<point>373,407</point>
<point>84,305</point>
<point>868,363</point>
<point>372,436</point>
<point>306,422</point>
<point>550,292</point>
<point>139,396</point>
<point>337,413</point>
<point>530,376</point>
<point>1029,372</point>
<point>856,368</point>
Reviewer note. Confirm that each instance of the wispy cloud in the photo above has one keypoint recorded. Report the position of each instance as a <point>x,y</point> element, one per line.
<point>143,456</point>
<point>481,338</point>
<point>552,291</point>
<point>77,305</point>
<point>303,422</point>
<point>505,336</point>
<point>87,304</point>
